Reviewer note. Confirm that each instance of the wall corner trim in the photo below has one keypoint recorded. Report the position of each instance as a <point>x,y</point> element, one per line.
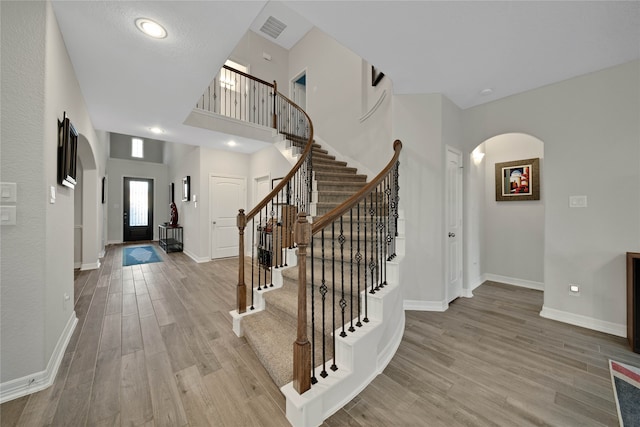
<point>37,381</point>
<point>420,305</point>
<point>584,321</point>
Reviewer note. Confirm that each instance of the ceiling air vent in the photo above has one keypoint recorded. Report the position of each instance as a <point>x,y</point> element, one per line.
<point>272,27</point>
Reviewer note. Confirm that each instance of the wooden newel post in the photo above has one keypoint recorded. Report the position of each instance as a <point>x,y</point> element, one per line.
<point>242,288</point>
<point>275,105</point>
<point>302,347</point>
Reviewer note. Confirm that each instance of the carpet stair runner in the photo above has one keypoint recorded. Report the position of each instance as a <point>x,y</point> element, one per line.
<point>271,332</point>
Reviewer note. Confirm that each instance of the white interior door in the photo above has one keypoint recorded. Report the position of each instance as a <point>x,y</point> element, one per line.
<point>453,212</point>
<point>263,187</point>
<point>226,196</point>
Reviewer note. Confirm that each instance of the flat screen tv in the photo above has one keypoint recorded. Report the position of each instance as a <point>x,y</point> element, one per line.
<point>67,151</point>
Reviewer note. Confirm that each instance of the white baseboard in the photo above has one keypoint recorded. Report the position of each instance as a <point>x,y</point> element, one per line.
<point>197,259</point>
<point>77,265</point>
<point>419,305</point>
<point>37,381</point>
<point>114,242</point>
<point>538,286</point>
<point>90,266</point>
<point>584,321</point>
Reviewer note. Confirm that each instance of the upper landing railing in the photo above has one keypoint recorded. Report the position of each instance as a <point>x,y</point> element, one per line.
<point>243,97</point>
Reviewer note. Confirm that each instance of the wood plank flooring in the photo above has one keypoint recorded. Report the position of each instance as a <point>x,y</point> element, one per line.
<point>154,347</point>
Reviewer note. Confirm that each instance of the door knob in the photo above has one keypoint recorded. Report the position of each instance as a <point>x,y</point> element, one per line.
<point>214,223</point>
<point>452,234</point>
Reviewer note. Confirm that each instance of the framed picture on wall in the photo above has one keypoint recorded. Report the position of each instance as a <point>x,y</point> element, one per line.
<point>518,180</point>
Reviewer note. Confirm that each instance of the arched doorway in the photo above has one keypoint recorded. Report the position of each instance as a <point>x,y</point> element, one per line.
<point>91,201</point>
<point>505,238</point>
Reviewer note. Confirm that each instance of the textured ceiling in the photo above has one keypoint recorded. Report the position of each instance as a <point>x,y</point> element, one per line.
<point>456,48</point>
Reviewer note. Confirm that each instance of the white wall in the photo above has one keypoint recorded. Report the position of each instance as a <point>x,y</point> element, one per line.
<point>184,160</point>
<point>514,231</point>
<point>38,85</point>
<point>339,95</point>
<point>266,162</point>
<point>417,122</point>
<point>118,170</point>
<point>249,52</point>
<point>120,148</point>
<point>591,131</point>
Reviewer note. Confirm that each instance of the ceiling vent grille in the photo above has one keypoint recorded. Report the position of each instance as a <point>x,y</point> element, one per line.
<point>272,27</point>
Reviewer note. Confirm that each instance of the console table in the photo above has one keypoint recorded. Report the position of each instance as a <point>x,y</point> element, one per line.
<point>170,238</point>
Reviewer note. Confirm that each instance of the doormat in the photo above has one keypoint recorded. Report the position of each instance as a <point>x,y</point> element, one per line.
<point>139,255</point>
<point>626,390</point>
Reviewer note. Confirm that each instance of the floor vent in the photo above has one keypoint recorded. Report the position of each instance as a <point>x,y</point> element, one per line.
<point>273,27</point>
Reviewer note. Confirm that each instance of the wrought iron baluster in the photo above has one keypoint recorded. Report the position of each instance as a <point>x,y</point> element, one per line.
<point>314,380</point>
<point>271,226</point>
<point>372,264</point>
<point>334,367</point>
<point>351,328</point>
<point>323,293</point>
<point>253,251</point>
<point>261,239</point>
<point>366,298</point>
<point>358,259</point>
<point>343,302</point>
<point>378,239</point>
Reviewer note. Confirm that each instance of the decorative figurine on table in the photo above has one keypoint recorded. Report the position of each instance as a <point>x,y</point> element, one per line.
<point>174,215</point>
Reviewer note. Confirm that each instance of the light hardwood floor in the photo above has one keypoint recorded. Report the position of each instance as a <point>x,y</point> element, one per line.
<point>154,347</point>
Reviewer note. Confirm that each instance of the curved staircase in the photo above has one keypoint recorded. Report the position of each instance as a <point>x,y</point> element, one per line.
<point>320,302</point>
<point>270,331</point>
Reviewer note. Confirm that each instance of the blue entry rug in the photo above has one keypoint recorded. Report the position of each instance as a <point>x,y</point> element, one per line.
<point>626,389</point>
<point>139,255</point>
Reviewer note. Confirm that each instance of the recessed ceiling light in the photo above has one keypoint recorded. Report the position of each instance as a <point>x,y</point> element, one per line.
<point>156,130</point>
<point>487,91</point>
<point>151,28</point>
<point>232,143</point>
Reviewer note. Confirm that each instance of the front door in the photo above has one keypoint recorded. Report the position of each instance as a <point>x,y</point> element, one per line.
<point>138,209</point>
<point>226,196</point>
<point>453,213</point>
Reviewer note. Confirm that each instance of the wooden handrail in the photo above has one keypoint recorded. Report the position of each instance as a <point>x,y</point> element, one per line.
<point>249,76</point>
<point>338,211</point>
<point>243,219</point>
<point>307,149</point>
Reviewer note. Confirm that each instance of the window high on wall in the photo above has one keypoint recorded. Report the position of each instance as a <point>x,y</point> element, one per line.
<point>137,148</point>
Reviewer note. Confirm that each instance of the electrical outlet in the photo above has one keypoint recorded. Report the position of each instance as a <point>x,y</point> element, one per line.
<point>574,289</point>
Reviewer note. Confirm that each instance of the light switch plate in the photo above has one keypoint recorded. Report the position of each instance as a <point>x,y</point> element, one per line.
<point>577,201</point>
<point>7,215</point>
<point>8,192</point>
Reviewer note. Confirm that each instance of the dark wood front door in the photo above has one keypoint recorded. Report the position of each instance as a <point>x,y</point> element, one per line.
<point>138,209</point>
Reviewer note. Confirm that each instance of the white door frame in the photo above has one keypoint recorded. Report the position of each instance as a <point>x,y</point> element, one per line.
<point>458,232</point>
<point>292,83</point>
<point>218,175</point>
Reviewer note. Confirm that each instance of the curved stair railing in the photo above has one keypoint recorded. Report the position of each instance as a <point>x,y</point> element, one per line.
<point>350,247</point>
<point>272,220</point>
